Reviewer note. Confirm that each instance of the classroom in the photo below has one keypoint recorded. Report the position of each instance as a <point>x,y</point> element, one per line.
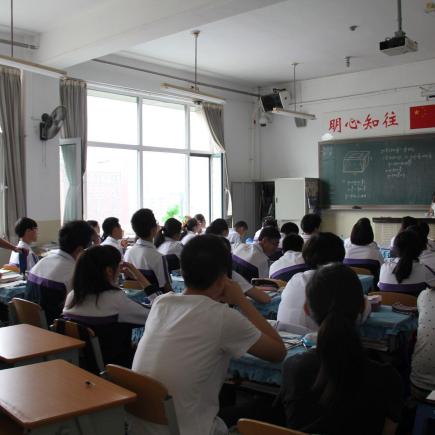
<point>217,217</point>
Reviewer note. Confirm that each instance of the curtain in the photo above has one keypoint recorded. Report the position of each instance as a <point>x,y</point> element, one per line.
<point>213,114</point>
<point>73,95</point>
<point>70,159</point>
<point>13,143</point>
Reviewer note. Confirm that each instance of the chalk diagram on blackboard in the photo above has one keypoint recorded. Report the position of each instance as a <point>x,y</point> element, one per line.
<point>356,162</point>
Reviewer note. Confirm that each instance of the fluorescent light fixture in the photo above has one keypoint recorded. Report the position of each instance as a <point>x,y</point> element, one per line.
<point>192,93</point>
<point>293,113</point>
<point>428,93</point>
<point>32,67</point>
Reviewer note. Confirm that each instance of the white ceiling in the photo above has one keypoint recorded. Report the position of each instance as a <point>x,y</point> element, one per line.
<point>258,47</point>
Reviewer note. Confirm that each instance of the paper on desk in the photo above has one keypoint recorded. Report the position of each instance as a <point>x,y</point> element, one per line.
<point>431,396</point>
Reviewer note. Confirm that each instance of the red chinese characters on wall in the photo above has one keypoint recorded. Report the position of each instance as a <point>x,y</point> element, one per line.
<point>369,122</point>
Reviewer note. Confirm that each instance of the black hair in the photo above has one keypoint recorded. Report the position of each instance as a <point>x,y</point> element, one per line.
<point>323,248</point>
<point>109,225</point>
<point>422,235</point>
<point>424,228</point>
<point>200,218</point>
<point>92,223</point>
<point>23,224</point>
<point>335,299</point>
<point>292,242</point>
<point>362,233</point>
<point>143,222</point>
<point>203,260</point>
<point>289,228</point>
<point>407,221</point>
<point>90,274</point>
<point>171,228</point>
<point>270,221</point>
<point>189,226</point>
<point>408,247</point>
<point>310,223</point>
<point>75,234</point>
<point>241,224</point>
<point>269,233</point>
<point>217,227</point>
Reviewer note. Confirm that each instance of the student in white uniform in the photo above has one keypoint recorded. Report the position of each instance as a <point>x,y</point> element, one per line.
<point>50,280</point>
<point>190,338</point>
<point>100,304</point>
<point>96,238</point>
<point>218,227</point>
<point>291,262</point>
<point>310,224</point>
<point>202,223</point>
<point>405,274</point>
<point>432,206</point>
<point>144,255</point>
<point>252,261</point>
<point>112,234</point>
<point>407,221</point>
<point>286,229</point>
<point>427,257</point>
<point>168,243</point>
<point>268,221</point>
<point>27,231</point>
<point>190,230</point>
<point>238,233</point>
<point>362,250</point>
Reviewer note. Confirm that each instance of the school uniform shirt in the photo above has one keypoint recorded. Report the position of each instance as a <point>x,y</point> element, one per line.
<point>187,345</point>
<point>145,257</point>
<point>355,253</point>
<point>306,237</point>
<point>189,236</point>
<point>252,259</point>
<point>427,258</point>
<point>32,258</point>
<point>234,237</point>
<point>423,359</point>
<point>257,234</point>
<point>109,240</point>
<point>291,260</point>
<point>421,277</point>
<point>243,283</point>
<point>170,247</point>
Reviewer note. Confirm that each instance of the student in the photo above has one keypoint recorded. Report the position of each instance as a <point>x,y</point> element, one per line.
<point>320,249</point>
<point>405,274</point>
<point>361,250</point>
<point>286,229</point>
<point>218,227</point>
<point>189,339</point>
<point>407,221</point>
<point>27,231</point>
<point>201,221</point>
<point>431,211</point>
<point>310,225</point>
<point>144,255</point>
<point>167,240</point>
<point>99,303</point>
<point>50,280</point>
<point>96,239</point>
<point>268,221</point>
<point>191,230</point>
<point>292,261</point>
<point>112,234</point>
<point>252,261</point>
<point>336,389</point>
<point>238,233</point>
<point>427,256</point>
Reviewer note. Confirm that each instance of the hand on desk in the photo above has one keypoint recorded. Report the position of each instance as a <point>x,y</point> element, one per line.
<point>132,272</point>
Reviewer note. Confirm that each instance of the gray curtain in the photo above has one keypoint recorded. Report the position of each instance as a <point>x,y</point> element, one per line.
<point>13,141</point>
<point>213,114</point>
<point>69,157</point>
<point>73,95</point>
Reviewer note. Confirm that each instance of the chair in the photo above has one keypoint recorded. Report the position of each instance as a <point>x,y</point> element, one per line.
<point>424,417</point>
<point>129,283</point>
<point>361,270</point>
<point>287,273</point>
<point>9,427</point>
<point>254,427</point>
<point>90,357</point>
<point>22,311</point>
<point>173,262</point>
<point>247,270</point>
<point>153,403</point>
<point>390,298</point>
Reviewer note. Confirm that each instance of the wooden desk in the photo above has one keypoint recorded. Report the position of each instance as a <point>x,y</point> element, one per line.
<point>57,397</point>
<point>26,344</point>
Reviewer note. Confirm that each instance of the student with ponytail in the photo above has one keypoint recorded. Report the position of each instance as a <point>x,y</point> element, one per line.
<point>335,389</point>
<point>190,230</point>
<point>405,274</point>
<point>167,240</point>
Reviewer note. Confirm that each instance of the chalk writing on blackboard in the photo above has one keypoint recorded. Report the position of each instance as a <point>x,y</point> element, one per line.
<point>356,162</point>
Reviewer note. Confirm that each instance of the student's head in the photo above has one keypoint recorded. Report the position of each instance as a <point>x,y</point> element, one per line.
<point>241,227</point>
<point>97,270</point>
<point>192,225</point>
<point>292,242</point>
<point>270,221</point>
<point>407,246</point>
<point>201,220</point>
<point>205,263</point>
<point>96,240</point>
<point>112,228</point>
<point>171,229</point>
<point>310,223</point>
<point>26,229</point>
<point>289,228</point>
<point>362,233</point>
<point>407,221</point>
<point>75,236</point>
<point>323,248</point>
<point>422,235</point>
<point>144,224</point>
<point>218,227</point>
<point>269,240</point>
<point>334,300</point>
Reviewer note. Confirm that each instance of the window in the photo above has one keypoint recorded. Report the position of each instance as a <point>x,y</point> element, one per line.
<point>149,153</point>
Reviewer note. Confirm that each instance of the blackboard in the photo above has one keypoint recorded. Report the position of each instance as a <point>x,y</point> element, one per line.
<point>388,171</point>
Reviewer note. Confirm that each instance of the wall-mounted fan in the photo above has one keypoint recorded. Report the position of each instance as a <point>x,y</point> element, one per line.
<point>51,124</point>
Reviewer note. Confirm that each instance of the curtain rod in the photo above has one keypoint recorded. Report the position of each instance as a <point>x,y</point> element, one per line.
<point>169,76</point>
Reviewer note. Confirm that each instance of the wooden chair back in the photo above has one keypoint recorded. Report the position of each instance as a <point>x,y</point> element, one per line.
<point>129,283</point>
<point>390,298</point>
<point>11,267</point>
<point>253,427</point>
<point>23,311</point>
<point>361,271</point>
<point>153,403</point>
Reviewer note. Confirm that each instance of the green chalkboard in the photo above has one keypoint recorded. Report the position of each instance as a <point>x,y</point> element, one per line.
<point>395,170</point>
